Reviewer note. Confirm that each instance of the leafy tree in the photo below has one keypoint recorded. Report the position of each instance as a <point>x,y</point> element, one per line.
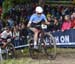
<point>7,5</point>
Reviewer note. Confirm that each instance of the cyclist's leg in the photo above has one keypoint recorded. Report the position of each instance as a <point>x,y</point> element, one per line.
<point>36,32</point>
<point>4,44</point>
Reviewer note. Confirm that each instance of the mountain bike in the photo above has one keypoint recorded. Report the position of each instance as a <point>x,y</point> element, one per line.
<point>8,51</point>
<point>46,44</point>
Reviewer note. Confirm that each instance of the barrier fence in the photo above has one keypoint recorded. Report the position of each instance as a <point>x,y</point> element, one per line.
<point>63,39</point>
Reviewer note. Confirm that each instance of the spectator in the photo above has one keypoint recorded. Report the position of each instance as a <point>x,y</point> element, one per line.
<point>51,26</point>
<point>23,34</point>
<point>66,24</point>
<point>21,13</point>
<point>57,24</point>
<point>73,20</point>
<point>16,35</point>
<point>48,14</point>
<point>10,22</point>
<point>61,19</point>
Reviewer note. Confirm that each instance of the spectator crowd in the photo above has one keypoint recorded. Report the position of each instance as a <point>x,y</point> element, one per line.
<point>60,18</point>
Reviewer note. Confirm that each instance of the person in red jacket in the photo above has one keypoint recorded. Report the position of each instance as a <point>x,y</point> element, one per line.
<point>66,24</point>
<point>73,20</point>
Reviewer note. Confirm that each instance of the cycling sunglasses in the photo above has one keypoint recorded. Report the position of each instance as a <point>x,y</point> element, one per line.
<point>39,13</point>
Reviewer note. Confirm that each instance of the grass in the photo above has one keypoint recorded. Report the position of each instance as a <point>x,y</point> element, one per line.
<point>23,57</point>
<point>24,61</point>
<point>15,61</point>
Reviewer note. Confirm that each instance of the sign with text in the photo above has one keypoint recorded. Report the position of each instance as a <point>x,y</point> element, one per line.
<point>65,38</point>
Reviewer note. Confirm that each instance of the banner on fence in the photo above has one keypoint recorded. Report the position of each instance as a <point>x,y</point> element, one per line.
<point>65,38</point>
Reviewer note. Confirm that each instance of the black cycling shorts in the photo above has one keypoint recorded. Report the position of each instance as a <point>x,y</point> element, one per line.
<point>4,40</point>
<point>36,25</point>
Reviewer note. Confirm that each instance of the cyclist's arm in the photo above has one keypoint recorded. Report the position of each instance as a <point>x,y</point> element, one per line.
<point>29,24</point>
<point>10,34</point>
<point>46,22</point>
<point>30,21</point>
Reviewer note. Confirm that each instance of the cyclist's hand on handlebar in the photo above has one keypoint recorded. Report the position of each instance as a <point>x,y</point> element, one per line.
<point>48,23</point>
<point>28,25</point>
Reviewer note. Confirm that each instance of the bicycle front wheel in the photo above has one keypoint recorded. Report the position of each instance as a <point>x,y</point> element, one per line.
<point>33,53</point>
<point>50,46</point>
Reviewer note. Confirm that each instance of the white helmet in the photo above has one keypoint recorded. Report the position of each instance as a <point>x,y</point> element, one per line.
<point>39,9</point>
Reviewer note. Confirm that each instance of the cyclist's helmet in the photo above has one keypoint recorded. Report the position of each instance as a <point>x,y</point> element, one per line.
<point>39,9</point>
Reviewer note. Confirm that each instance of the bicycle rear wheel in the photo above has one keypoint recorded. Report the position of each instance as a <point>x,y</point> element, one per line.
<point>50,46</point>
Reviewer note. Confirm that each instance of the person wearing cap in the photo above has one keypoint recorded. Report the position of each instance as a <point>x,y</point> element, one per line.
<point>35,20</point>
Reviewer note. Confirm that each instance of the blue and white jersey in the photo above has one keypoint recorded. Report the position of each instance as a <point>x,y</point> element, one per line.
<point>36,19</point>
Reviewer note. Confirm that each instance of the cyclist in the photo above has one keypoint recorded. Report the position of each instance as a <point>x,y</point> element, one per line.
<point>6,37</point>
<point>35,21</point>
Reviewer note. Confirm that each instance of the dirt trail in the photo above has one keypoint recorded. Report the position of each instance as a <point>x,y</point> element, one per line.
<point>64,56</point>
<point>62,59</point>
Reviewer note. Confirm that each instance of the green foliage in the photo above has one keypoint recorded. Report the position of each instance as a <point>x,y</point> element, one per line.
<point>7,4</point>
<point>22,1</point>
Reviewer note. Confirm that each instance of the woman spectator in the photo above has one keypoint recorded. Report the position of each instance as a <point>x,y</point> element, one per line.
<point>16,35</point>
<point>67,23</point>
<point>73,20</point>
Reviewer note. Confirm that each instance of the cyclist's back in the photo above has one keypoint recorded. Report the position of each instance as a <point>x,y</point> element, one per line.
<point>36,19</point>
